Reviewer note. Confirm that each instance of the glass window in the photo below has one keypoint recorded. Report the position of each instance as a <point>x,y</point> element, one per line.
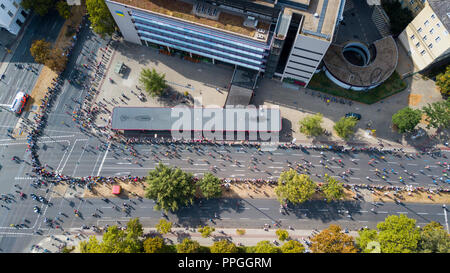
<point>422,52</point>
<point>413,37</point>
<point>433,16</point>
<point>419,29</point>
<point>418,45</point>
<point>426,23</point>
<point>3,6</point>
<point>437,39</point>
<point>411,2</point>
<point>10,14</point>
<point>431,31</point>
<point>438,25</point>
<point>430,46</point>
<point>425,38</point>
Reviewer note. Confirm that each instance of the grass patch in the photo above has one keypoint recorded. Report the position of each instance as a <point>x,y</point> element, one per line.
<point>394,84</point>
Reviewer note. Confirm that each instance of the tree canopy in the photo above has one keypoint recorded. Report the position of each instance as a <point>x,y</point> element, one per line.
<point>210,186</point>
<point>41,7</point>
<point>188,246</point>
<point>434,239</point>
<point>266,247</point>
<point>282,234</point>
<point>170,188</point>
<point>332,240</point>
<point>366,236</point>
<point>40,50</point>
<point>206,231</point>
<point>154,83</point>
<point>295,188</point>
<point>155,245</point>
<point>398,234</point>
<point>345,127</point>
<point>332,189</point>
<point>292,246</point>
<point>56,61</point>
<point>63,9</point>
<point>223,246</point>
<point>406,119</point>
<point>438,114</point>
<point>311,125</point>
<point>100,17</point>
<point>164,226</point>
<point>443,81</point>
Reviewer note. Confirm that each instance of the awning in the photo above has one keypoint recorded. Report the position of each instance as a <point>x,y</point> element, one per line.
<point>116,189</point>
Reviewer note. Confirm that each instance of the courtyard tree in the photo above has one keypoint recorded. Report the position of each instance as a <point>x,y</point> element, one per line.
<point>155,245</point>
<point>332,189</point>
<point>40,50</point>
<point>345,127</point>
<point>398,234</point>
<point>100,17</point>
<point>266,247</point>
<point>438,114</point>
<point>292,246</point>
<point>224,246</point>
<point>295,188</point>
<point>210,186</point>
<point>406,119</point>
<point>164,226</point>
<point>443,81</point>
<point>41,7</point>
<point>63,9</point>
<point>282,234</point>
<point>57,61</point>
<point>311,125</point>
<point>153,82</point>
<point>188,246</point>
<point>367,241</point>
<point>434,239</point>
<point>332,240</point>
<point>206,231</point>
<point>170,188</point>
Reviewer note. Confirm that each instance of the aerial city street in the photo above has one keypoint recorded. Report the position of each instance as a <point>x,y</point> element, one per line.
<point>242,126</point>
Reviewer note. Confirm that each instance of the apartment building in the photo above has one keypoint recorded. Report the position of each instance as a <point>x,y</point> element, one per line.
<point>415,6</point>
<point>286,39</point>
<point>427,38</point>
<point>12,16</point>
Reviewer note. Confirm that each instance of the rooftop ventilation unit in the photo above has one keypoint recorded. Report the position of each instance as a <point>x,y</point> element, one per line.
<point>316,15</point>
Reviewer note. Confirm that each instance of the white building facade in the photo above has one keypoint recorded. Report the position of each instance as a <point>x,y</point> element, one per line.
<point>12,15</point>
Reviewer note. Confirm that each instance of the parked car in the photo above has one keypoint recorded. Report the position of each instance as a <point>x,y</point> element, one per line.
<point>419,133</point>
<point>355,115</point>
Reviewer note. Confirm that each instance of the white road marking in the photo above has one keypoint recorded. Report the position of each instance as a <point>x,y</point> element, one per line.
<point>103,161</point>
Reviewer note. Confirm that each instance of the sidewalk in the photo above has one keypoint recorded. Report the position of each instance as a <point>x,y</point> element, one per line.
<point>250,238</point>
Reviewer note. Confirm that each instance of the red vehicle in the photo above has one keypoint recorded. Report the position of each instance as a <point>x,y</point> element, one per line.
<point>19,102</point>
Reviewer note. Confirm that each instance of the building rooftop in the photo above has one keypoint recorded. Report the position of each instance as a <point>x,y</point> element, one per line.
<point>377,71</point>
<point>442,10</point>
<point>224,20</point>
<point>324,24</point>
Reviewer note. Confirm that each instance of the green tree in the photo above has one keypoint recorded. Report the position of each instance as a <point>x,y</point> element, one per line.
<point>443,81</point>
<point>210,186</point>
<point>434,239</point>
<point>398,234</point>
<point>438,114</point>
<point>224,246</point>
<point>206,231</point>
<point>292,246</point>
<point>63,9</point>
<point>345,127</point>
<point>311,125</point>
<point>406,119</point>
<point>56,60</point>
<point>40,50</point>
<point>266,247</point>
<point>164,226</point>
<point>282,234</point>
<point>100,17</point>
<point>133,234</point>
<point>41,7</point>
<point>332,240</point>
<point>91,246</point>
<point>154,83</point>
<point>332,189</point>
<point>366,236</point>
<point>155,245</point>
<point>294,187</point>
<point>188,246</point>
<point>170,187</point>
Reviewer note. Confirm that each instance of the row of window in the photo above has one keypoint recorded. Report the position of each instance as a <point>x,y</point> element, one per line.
<point>181,37</point>
<point>199,34</point>
<point>190,48</point>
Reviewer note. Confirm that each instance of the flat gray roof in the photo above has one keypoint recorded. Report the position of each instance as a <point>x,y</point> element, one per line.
<point>196,119</point>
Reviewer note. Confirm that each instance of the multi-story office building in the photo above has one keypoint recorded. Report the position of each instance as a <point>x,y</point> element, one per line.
<point>12,16</point>
<point>415,6</point>
<point>282,38</point>
<point>427,38</point>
